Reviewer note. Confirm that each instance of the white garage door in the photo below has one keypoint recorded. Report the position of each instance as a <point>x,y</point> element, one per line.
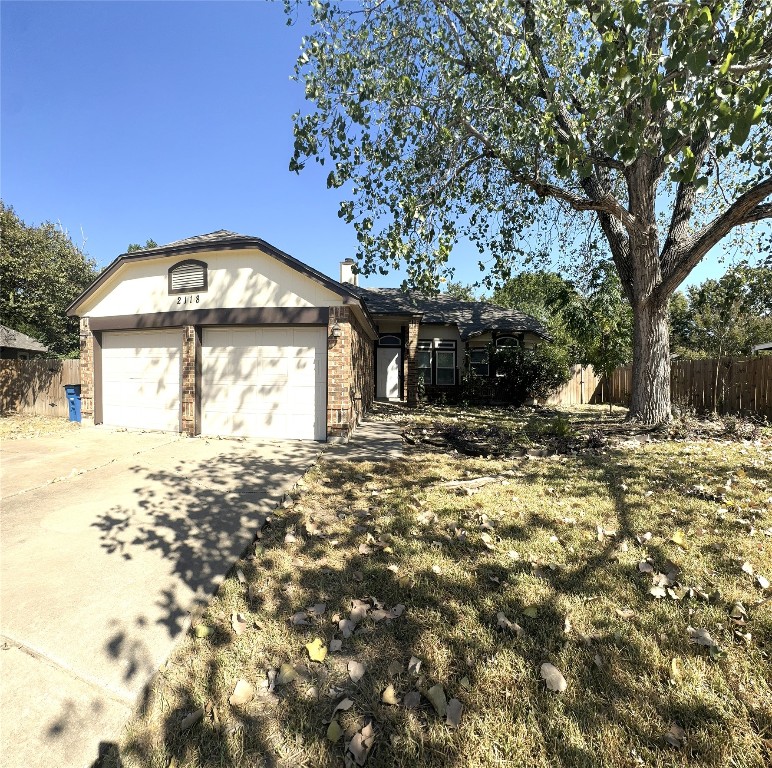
<point>265,382</point>
<point>141,379</point>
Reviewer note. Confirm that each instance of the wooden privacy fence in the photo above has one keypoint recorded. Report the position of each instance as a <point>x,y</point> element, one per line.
<point>36,386</point>
<point>729,385</point>
<point>583,387</point>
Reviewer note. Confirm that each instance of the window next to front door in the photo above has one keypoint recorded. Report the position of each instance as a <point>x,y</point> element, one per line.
<point>436,362</point>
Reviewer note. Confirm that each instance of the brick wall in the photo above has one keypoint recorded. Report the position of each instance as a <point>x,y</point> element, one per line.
<point>189,380</point>
<point>86,372</point>
<point>411,372</point>
<point>350,370</point>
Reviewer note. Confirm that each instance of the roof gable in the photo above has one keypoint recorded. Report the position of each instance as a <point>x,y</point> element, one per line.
<point>219,241</point>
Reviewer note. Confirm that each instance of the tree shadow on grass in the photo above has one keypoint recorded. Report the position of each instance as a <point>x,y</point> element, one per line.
<point>611,664</point>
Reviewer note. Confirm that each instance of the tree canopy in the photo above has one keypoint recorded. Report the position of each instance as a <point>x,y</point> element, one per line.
<point>647,124</point>
<point>724,317</point>
<point>150,243</point>
<point>41,272</point>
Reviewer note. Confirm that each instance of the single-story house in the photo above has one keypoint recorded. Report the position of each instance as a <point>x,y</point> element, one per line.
<point>15,345</point>
<point>224,334</point>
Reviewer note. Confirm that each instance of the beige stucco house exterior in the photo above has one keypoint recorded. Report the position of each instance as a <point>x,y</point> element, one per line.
<point>224,334</point>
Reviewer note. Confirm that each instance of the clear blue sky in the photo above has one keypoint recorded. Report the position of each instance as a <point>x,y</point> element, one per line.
<point>133,120</point>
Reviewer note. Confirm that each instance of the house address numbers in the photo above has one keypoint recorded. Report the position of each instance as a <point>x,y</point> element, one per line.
<point>189,299</point>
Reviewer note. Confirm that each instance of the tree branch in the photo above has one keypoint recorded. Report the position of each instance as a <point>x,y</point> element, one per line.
<point>686,196</point>
<point>747,209</point>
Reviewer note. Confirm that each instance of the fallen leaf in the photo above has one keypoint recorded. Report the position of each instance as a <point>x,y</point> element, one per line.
<point>389,696</point>
<point>645,567</point>
<point>356,671</point>
<point>362,743</point>
<point>335,645</point>
<point>238,622</point>
<point>192,718</point>
<point>343,706</point>
<point>243,693</point>
<point>679,538</point>
<point>436,695</point>
<point>747,568</point>
<point>762,581</point>
<point>240,576</point>
<point>464,683</point>
<point>414,665</point>
<point>317,651</point>
<point>299,618</point>
<point>412,700</point>
<point>287,673</point>
<point>346,627</point>
<point>503,623</point>
<point>359,609</point>
<point>625,613</point>
<point>531,611</point>
<point>436,569</point>
<point>334,731</point>
<point>395,668</point>
<point>318,609</point>
<point>676,736</point>
<point>657,592</point>
<point>701,637</point>
<point>676,672</point>
<point>738,613</point>
<point>396,611</point>
<point>553,677</point>
<point>455,707</point>
<point>202,630</point>
<point>487,540</point>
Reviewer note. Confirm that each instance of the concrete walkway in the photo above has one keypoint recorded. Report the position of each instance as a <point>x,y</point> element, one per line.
<point>108,540</point>
<point>378,437</point>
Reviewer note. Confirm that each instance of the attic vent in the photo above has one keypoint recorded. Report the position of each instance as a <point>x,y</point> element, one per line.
<point>188,276</point>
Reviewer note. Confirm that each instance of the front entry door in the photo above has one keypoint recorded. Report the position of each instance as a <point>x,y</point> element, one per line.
<point>389,364</point>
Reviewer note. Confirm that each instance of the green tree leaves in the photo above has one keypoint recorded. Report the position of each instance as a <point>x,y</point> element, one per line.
<point>41,272</point>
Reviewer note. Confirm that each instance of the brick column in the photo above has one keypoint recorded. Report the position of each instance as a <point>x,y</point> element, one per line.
<point>189,380</point>
<point>411,375</point>
<point>339,374</point>
<point>86,372</point>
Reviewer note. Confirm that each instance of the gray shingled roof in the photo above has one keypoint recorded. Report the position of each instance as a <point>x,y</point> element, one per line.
<point>211,238</point>
<point>18,340</point>
<point>471,317</point>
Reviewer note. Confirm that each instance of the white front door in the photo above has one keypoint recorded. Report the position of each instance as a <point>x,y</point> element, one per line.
<point>141,379</point>
<point>389,363</point>
<point>267,382</point>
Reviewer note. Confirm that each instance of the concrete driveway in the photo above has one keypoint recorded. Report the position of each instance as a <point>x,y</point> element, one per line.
<point>109,539</point>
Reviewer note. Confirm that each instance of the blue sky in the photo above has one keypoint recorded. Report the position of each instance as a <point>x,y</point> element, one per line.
<point>133,120</point>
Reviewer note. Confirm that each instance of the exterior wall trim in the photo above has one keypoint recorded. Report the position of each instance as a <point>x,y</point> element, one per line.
<point>199,317</point>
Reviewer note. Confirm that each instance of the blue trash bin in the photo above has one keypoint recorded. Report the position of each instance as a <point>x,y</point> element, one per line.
<point>73,398</point>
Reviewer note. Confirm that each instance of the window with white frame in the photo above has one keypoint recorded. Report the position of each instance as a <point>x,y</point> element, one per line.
<point>507,341</point>
<point>436,362</point>
<point>479,361</point>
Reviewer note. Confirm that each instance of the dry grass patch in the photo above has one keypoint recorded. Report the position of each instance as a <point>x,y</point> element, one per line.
<point>566,548</point>
<point>17,426</point>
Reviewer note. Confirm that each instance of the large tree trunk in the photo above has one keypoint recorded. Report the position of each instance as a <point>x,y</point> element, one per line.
<point>650,401</point>
<point>650,398</point>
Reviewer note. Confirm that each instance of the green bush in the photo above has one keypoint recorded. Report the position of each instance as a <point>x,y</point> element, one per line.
<point>523,373</point>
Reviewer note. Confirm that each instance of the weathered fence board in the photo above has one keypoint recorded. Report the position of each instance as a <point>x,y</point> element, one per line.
<point>36,386</point>
<point>583,387</point>
<point>729,385</point>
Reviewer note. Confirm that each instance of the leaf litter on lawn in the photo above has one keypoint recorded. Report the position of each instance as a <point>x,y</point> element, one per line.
<point>459,625</point>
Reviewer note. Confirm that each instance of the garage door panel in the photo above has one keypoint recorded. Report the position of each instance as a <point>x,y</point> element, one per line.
<point>274,385</point>
<point>141,379</point>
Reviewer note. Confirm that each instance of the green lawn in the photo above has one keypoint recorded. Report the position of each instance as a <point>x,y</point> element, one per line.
<point>550,562</point>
